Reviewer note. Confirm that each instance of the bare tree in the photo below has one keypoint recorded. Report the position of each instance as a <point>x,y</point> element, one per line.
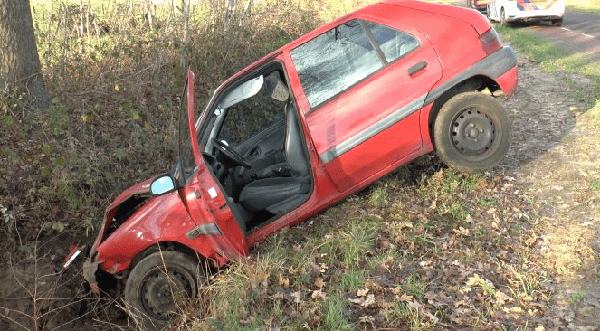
<point>19,59</point>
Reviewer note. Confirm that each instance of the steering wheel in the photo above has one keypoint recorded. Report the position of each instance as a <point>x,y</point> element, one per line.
<point>230,153</point>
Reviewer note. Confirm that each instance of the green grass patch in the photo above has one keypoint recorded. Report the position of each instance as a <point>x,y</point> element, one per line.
<point>592,6</point>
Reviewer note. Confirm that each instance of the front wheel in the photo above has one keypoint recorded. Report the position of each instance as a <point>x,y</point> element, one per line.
<point>471,132</point>
<point>156,286</point>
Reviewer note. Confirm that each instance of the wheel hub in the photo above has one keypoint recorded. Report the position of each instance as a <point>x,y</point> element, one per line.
<point>472,132</point>
<point>161,288</point>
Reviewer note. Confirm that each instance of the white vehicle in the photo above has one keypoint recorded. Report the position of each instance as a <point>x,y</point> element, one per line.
<point>506,11</point>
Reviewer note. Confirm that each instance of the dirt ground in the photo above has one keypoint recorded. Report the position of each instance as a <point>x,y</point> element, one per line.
<point>554,157</point>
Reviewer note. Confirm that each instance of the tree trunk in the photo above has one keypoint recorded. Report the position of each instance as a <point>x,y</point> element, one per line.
<point>19,59</point>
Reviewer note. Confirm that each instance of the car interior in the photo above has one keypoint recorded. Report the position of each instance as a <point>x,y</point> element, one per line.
<point>253,144</point>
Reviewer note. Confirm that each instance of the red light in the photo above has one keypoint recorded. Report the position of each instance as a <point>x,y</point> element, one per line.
<point>490,41</point>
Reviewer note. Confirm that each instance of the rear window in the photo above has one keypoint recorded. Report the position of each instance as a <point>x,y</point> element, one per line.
<point>339,58</point>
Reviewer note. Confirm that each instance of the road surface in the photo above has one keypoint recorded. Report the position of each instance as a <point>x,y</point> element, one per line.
<point>579,33</point>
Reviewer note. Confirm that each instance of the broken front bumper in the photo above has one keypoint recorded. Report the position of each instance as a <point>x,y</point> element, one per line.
<point>90,266</point>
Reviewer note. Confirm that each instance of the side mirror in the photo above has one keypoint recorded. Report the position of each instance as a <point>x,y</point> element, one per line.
<point>162,184</point>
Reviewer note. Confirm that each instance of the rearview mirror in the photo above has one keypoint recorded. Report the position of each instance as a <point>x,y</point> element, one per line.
<point>162,184</point>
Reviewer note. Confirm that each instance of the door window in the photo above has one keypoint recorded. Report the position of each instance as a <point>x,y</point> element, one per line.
<point>393,43</point>
<point>339,58</point>
<point>250,116</point>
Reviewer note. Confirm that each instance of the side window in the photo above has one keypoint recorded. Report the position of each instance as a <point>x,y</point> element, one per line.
<point>334,61</point>
<point>249,116</point>
<point>394,44</point>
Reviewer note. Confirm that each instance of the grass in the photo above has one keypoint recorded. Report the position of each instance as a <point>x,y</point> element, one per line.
<point>592,6</point>
<point>337,270</point>
<point>576,298</point>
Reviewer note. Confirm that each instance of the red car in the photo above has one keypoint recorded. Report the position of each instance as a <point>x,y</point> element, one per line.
<point>480,5</point>
<point>298,131</point>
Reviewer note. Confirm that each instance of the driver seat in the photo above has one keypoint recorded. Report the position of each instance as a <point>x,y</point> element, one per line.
<point>278,194</point>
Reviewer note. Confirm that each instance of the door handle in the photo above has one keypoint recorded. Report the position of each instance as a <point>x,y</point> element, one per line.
<point>416,68</point>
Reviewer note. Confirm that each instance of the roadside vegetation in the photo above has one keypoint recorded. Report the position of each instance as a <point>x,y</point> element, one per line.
<point>423,248</point>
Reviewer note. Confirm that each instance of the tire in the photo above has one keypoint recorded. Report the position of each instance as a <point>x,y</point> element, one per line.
<point>503,20</point>
<point>557,22</point>
<point>471,132</point>
<point>154,282</point>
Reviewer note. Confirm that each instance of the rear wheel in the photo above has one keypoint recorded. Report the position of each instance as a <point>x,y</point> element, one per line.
<point>471,132</point>
<point>557,22</point>
<point>157,285</point>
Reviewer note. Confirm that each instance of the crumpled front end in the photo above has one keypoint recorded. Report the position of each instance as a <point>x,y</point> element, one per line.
<point>134,222</point>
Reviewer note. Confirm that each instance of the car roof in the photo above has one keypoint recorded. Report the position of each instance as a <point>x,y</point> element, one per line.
<point>430,19</point>
<point>411,16</point>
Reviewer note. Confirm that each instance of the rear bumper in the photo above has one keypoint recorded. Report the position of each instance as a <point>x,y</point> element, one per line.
<point>508,81</point>
<point>533,18</point>
<point>555,12</point>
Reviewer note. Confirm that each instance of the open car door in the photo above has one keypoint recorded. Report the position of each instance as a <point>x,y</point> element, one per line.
<point>217,229</point>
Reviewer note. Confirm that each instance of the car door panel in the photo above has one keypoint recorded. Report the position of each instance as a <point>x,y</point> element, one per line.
<point>204,197</point>
<point>351,134</point>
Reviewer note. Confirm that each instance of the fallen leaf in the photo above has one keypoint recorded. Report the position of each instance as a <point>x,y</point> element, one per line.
<point>364,301</point>
<point>405,298</point>
<point>425,263</point>
<point>319,282</point>
<point>285,282</point>
<point>369,301</point>
<point>318,294</point>
<point>357,300</point>
<point>323,267</point>
<point>365,319</point>
<point>362,292</point>
<point>296,296</point>
<point>462,303</point>
<point>406,225</point>
<point>462,231</point>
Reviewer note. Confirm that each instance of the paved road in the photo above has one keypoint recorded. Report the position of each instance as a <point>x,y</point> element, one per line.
<point>580,32</point>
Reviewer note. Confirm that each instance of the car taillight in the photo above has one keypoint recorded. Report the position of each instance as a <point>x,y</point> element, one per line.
<point>490,41</point>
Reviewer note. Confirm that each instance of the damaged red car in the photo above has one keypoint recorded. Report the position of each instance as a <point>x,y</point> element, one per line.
<point>300,130</point>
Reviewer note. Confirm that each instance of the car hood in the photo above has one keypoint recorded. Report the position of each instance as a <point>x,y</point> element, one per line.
<point>141,189</point>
